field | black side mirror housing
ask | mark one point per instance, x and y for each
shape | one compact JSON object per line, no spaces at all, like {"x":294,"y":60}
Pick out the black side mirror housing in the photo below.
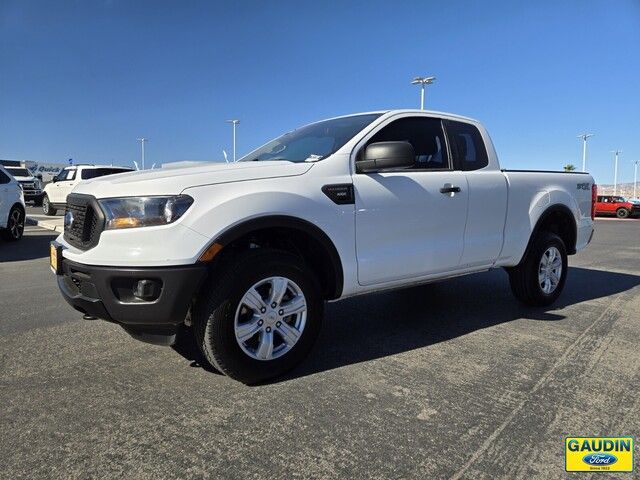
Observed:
{"x":385,"y":155}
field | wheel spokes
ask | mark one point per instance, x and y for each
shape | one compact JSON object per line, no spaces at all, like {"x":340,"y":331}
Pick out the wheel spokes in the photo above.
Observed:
{"x":265,"y":349}
{"x":278,"y":290}
{"x":289,"y":334}
{"x":254,"y":301}
{"x":246,"y":331}
{"x":293,"y":306}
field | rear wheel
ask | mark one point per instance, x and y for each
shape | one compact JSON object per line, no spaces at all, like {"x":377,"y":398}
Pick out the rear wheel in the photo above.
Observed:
{"x":15,"y":225}
{"x":47,"y":208}
{"x":259,"y":316}
{"x":540,"y":277}
{"x":622,"y":213}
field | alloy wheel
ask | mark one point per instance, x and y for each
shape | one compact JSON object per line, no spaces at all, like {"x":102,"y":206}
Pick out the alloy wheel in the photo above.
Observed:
{"x":550,"y":270}
{"x":270,"y":318}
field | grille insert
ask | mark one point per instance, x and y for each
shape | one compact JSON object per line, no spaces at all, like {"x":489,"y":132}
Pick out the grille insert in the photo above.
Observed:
{"x":83,"y":222}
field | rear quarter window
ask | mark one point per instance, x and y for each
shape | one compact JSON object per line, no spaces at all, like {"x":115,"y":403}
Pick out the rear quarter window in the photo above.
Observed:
{"x":467,"y":146}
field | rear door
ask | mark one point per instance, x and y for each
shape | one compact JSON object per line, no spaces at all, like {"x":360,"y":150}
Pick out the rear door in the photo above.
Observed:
{"x":487,"y":187}
{"x":406,"y":227}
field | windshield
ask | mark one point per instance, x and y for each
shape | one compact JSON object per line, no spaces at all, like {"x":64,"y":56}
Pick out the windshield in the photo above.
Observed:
{"x":313,"y":142}
{"x":19,"y":172}
{"x":619,"y":199}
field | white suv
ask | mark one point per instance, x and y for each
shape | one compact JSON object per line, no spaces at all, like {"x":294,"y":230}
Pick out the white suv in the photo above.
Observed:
{"x":11,"y":207}
{"x":55,"y":193}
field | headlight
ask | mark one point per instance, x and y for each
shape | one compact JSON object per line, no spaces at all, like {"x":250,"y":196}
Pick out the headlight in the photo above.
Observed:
{"x":131,"y":212}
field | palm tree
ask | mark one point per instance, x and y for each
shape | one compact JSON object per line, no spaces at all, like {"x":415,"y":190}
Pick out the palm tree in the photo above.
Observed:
{"x":569,"y":167}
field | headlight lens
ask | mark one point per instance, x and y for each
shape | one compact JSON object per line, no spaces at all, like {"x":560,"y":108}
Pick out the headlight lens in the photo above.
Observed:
{"x":132,"y":212}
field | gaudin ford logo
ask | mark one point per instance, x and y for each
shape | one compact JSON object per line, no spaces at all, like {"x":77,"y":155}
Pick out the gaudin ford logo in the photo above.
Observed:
{"x":68,"y":220}
{"x":584,"y":186}
{"x":599,"y":454}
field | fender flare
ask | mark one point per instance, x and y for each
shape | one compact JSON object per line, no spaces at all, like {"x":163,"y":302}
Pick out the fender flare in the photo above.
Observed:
{"x":553,"y":209}
{"x":284,"y":221}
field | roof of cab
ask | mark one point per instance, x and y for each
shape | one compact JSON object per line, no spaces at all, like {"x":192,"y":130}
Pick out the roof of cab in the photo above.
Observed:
{"x":409,"y":110}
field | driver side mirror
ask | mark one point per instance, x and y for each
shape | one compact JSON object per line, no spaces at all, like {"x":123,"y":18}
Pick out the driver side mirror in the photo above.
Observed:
{"x":385,"y":155}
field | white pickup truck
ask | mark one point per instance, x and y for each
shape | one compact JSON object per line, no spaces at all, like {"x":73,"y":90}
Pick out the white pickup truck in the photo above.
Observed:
{"x":245,"y":254}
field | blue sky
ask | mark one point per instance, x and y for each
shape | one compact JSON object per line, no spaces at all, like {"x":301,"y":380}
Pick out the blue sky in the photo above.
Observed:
{"x":83,"y":79}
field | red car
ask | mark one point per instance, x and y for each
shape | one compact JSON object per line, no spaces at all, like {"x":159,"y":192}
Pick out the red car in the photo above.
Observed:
{"x":616,"y":205}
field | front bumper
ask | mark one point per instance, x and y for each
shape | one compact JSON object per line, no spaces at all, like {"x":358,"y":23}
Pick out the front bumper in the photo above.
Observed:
{"x":33,"y":194}
{"x":108,"y":293}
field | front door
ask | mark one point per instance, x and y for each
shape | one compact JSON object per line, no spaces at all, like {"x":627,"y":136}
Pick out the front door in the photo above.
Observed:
{"x":410,"y":223}
{"x":62,"y":186}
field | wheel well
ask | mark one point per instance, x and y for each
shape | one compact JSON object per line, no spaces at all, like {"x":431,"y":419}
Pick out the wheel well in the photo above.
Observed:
{"x":559,"y":220}
{"x":295,"y":236}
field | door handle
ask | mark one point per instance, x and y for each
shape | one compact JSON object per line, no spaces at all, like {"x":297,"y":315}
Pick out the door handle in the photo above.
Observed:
{"x":449,"y":189}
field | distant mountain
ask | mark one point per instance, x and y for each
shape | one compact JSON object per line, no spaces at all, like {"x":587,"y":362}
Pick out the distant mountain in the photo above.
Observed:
{"x":624,"y":189}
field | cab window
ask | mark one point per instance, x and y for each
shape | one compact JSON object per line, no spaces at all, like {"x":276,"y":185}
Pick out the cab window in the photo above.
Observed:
{"x":424,"y":134}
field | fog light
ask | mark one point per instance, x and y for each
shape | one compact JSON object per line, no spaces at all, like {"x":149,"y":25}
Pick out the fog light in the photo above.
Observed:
{"x":146,"y":290}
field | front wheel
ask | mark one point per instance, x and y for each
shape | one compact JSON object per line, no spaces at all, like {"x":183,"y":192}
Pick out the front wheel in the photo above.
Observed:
{"x":622,"y":213}
{"x":539,"y":279}
{"x":15,"y":225}
{"x":46,"y":206}
{"x":259,"y":316}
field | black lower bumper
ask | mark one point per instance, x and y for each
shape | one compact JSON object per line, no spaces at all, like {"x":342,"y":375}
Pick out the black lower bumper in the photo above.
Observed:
{"x":33,"y":196}
{"x":109,"y":293}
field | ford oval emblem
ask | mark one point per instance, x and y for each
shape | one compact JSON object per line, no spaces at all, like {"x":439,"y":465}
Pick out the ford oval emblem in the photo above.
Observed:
{"x":599,"y":459}
{"x":68,"y":220}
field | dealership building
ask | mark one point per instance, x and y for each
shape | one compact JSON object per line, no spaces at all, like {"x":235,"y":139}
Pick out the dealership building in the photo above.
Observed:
{"x":46,"y":169}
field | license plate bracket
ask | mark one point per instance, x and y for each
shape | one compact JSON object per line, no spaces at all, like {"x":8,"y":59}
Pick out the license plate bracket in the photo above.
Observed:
{"x":55,"y":258}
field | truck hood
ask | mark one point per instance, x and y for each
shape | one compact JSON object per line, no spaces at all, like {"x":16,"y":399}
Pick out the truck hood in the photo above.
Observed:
{"x":172,"y":181}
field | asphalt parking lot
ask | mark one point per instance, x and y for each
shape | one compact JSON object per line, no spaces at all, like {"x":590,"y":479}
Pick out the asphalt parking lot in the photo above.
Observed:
{"x":450,"y":380}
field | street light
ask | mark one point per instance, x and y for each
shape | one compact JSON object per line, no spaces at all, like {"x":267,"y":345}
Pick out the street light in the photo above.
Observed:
{"x":615,"y":171}
{"x":234,"y":123}
{"x":422,"y":81}
{"x":584,"y":137}
{"x":635,"y":179}
{"x":142,"y":142}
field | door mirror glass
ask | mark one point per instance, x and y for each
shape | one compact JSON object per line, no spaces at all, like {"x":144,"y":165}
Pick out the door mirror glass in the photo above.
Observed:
{"x":386,"y":155}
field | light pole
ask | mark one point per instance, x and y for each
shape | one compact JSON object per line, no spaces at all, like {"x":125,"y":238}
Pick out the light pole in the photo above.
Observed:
{"x":635,"y":179}
{"x":584,"y":137}
{"x":142,"y":141}
{"x":422,"y":81}
{"x":234,"y":123}
{"x":615,"y":171}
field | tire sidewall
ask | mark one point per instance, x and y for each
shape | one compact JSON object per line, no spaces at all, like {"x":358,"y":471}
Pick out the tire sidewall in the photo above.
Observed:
{"x":46,"y":205}
{"x":544,"y":242}
{"x":218,"y":341}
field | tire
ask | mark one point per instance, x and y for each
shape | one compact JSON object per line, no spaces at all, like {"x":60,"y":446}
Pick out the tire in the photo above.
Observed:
{"x":622,"y":213}
{"x":15,"y":225}
{"x":220,"y":313}
{"x":46,"y":206}
{"x":525,"y":279}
